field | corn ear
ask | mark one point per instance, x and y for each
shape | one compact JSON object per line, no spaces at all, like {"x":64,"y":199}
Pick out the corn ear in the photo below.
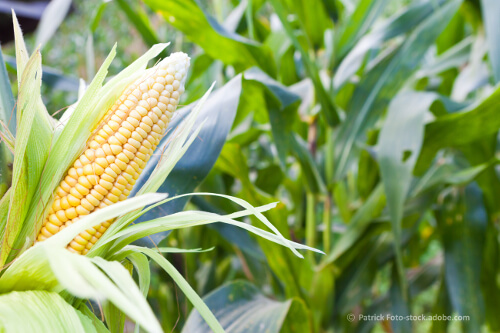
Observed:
{"x":117,"y":151}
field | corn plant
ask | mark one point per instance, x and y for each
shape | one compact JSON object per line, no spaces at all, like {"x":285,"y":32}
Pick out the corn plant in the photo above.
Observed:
{"x":66,"y":219}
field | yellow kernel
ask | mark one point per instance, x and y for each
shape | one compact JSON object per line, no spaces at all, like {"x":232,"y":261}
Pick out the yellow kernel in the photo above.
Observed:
{"x":54,"y":220}
{"x":88,"y":170}
{"x":113,"y":198}
{"x":129,"y":154}
{"x":99,"y":139}
{"x":89,"y":153}
{"x":141,"y":110}
{"x":113,"y":125}
{"x":146,"y":120}
{"x":157,"y":129}
{"x":170,"y":79}
{"x":128,"y":147}
{"x":75,"y":193}
{"x":128,"y":126}
{"x":99,"y":188}
{"x":121,"y":180}
{"x":101,"y":161}
{"x":107,"y":177}
{"x":61,"y":216}
{"x":124,"y":132}
{"x":117,"y":117}
{"x":102,"y":133}
{"x":114,"y":141}
{"x":65,"y":186}
{"x":82,"y":211}
{"x":133,"y":121}
{"x":46,"y":232}
{"x":110,"y":159}
{"x":153,"y":100}
{"x":84,"y":181}
{"x":122,"y":157}
{"x":107,"y":185}
{"x":80,"y":240}
{"x":72,"y":173}
{"x":93,"y":200}
{"x":75,"y":246}
{"x":73,"y":201}
{"x":64,"y":203}
{"x":119,"y":186}
{"x":128,"y":103}
{"x":110,"y":172}
{"x":134,"y":142}
{"x":144,"y":150}
{"x":115,"y":167}
{"x":128,"y":177}
{"x":86,"y":235}
{"x":130,"y":170}
{"x":141,"y":132}
{"x":142,"y":156}
{"x":107,"y":202}
{"x":71,"y":213}
{"x":87,"y":205}
{"x":96,"y":195}
{"x":121,"y":137}
{"x":115,"y":191}
{"x":145,"y":127}
{"x":56,"y":205}
{"x":93,"y":145}
{"x":53,"y":229}
{"x":106,"y":148}
{"x":134,"y":165}
{"x":116,"y":149}
{"x":135,"y":115}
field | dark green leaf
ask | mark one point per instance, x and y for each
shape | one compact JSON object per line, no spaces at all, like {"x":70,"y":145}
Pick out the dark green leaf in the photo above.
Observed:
{"x":218,"y":113}
{"x":240,"y":307}
{"x":384,"y":81}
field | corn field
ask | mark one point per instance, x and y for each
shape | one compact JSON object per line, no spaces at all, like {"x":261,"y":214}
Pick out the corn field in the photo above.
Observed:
{"x":249,"y":166}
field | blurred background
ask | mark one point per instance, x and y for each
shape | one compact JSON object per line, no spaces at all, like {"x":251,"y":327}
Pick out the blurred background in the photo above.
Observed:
{"x":374,"y":123}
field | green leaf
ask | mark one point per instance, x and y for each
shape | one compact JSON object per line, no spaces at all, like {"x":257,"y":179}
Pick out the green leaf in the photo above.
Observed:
{"x":361,"y":20}
{"x":459,"y":128}
{"x":398,"y":148}
{"x":327,"y":106}
{"x":240,"y":307}
{"x":462,"y":223}
{"x":399,"y":24}
{"x":138,"y":17}
{"x":52,"y":17}
{"x":7,"y":117}
{"x":491,"y":11}
{"x":370,"y":210}
{"x":184,"y":285}
{"x":40,"y":311}
{"x":384,"y":81}
{"x":27,"y":108}
{"x":216,"y":41}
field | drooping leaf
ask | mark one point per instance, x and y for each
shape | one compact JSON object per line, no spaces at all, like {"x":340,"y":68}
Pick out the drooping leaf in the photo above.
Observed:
{"x":219,"y":43}
{"x":240,"y":307}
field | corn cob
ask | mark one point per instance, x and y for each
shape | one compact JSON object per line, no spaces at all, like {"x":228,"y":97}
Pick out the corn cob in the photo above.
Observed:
{"x":117,"y":151}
